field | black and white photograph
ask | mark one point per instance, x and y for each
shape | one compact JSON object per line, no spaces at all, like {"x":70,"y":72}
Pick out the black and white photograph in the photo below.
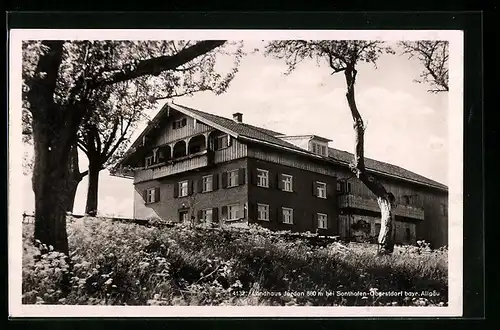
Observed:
{"x":235,"y":173}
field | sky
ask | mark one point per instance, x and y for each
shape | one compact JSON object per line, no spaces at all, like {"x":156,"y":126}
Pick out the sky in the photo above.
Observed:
{"x":406,"y":125}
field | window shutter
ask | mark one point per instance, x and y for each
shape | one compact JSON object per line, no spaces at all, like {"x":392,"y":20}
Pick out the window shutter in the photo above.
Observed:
{"x":273,"y":216}
{"x":224,"y":212}
{"x":200,"y":215}
{"x":200,"y":184}
{"x":293,"y":184}
{"x":176,"y":189}
{"x":229,"y":140}
{"x":241,"y":176}
{"x":280,"y":216}
{"x":241,"y":212}
{"x":215,"y":214}
{"x":145,"y":195}
{"x":315,"y":221}
{"x":279,"y":177}
{"x":184,"y":121}
{"x":157,"y":194}
{"x":224,"y":179}
{"x":190,"y":187}
{"x":315,"y":188}
{"x":215,"y":181}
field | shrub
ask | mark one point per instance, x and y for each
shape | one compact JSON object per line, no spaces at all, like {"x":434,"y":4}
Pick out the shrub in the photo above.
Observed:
{"x":120,"y":263}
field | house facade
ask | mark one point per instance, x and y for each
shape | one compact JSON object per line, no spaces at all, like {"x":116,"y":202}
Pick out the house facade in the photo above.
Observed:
{"x":189,"y":165}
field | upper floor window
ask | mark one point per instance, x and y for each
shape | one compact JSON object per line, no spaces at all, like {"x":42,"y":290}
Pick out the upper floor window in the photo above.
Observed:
{"x":343,"y":187}
{"x":183,"y":188}
{"x":320,"y":189}
{"x":179,"y":123}
{"x":263,"y":212}
{"x":207,"y":183}
{"x":287,"y":182}
{"x":262,"y":178}
{"x":232,"y":178}
{"x":152,"y":195}
{"x":287,"y":215}
{"x":221,"y":142}
{"x":322,"y":221}
{"x":406,"y":199}
{"x":148,"y":161}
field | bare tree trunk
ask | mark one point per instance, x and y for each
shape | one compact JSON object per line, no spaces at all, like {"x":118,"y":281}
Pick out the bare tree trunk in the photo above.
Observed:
{"x":385,"y":199}
{"x":93,"y":187}
{"x":74,"y":178}
{"x":50,"y":187}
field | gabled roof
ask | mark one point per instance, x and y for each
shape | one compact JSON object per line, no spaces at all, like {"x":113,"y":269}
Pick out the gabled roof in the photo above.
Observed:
{"x":271,"y":138}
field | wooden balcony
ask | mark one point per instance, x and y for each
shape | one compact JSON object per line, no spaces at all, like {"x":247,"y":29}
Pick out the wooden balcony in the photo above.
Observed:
{"x":174,"y":166}
{"x":370,"y":204}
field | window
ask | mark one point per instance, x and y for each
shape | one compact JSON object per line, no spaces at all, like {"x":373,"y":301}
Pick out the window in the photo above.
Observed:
{"x":320,"y":189}
{"x":206,"y":215}
{"x":406,"y":199}
{"x":319,"y":149}
{"x":262,"y":178}
{"x":221,"y":142}
{"x":233,"y":212}
{"x":322,"y":221}
{"x":183,"y":215}
{"x":232,"y":178}
{"x":151,"y":195}
{"x":377,"y":229}
{"x":207,"y":183}
{"x":345,"y":187}
{"x":287,"y":182}
{"x":183,"y":188}
{"x":179,"y":123}
{"x":263,"y":212}
{"x":149,"y":161}
{"x":287,"y":215}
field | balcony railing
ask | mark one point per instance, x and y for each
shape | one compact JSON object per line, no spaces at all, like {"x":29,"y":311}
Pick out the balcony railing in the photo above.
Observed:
{"x":174,"y":166}
{"x":370,"y":204}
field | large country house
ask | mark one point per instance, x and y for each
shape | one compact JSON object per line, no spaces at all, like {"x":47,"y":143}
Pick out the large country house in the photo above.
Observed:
{"x":189,"y":165}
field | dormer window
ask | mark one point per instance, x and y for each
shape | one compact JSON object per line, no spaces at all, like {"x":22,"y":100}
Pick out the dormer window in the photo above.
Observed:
{"x":319,"y":148}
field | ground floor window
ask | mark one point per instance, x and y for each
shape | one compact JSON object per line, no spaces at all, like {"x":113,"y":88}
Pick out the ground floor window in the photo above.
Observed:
{"x":233,"y":211}
{"x":206,"y":215}
{"x":263,"y":212}
{"x":322,"y":221}
{"x":183,"y":215}
{"x":287,"y":215}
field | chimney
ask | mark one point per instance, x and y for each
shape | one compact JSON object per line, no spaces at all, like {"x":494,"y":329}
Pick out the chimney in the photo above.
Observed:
{"x":238,"y":117}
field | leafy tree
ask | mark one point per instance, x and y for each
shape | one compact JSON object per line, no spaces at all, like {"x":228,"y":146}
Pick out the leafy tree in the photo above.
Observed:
{"x":344,"y":56}
{"x":65,"y":82}
{"x":433,"y":55}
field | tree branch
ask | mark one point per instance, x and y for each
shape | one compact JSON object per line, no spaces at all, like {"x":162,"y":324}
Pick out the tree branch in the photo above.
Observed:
{"x":155,"y":66}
